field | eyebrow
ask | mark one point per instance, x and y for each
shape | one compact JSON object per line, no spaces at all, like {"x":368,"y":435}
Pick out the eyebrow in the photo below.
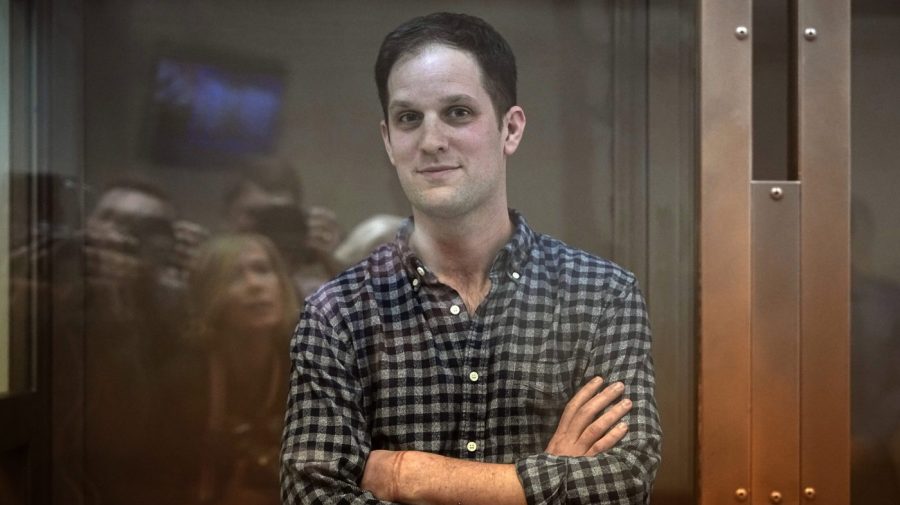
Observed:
{"x":448,"y":100}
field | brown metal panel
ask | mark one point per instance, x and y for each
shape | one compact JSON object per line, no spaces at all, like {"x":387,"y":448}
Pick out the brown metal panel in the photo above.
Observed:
{"x":725,"y":115}
{"x":775,"y":354}
{"x":824,"y":167}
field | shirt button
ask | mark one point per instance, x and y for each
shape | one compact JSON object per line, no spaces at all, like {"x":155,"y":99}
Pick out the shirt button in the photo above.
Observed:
{"x":515,"y":275}
{"x":473,"y":376}
{"x":415,"y":283}
{"x":421,"y":271}
{"x":454,"y":309}
{"x":471,"y":447}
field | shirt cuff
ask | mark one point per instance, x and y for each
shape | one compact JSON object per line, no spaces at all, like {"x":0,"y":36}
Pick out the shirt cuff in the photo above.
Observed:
{"x":543,"y":477}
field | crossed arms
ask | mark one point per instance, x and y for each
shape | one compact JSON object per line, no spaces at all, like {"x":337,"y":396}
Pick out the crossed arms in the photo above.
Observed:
{"x":414,"y":477}
{"x":330,"y":455}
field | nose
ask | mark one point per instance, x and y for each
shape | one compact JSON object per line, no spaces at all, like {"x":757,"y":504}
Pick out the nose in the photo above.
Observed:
{"x":434,"y":136}
{"x":253,"y":281}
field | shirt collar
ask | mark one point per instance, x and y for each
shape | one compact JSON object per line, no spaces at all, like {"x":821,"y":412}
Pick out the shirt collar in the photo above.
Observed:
{"x":509,"y":259}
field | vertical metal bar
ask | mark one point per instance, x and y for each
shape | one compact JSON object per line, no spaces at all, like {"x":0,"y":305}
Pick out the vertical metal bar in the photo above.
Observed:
{"x":823,"y":88}
{"x":5,"y":172}
{"x":775,"y":354}
{"x":725,"y":164}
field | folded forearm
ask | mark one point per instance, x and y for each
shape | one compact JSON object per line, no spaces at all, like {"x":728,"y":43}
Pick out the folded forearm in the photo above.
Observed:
{"x":424,"y":478}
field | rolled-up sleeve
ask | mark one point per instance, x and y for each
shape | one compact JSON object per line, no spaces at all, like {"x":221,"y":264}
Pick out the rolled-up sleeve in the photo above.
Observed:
{"x":625,"y":473}
{"x":325,"y":442}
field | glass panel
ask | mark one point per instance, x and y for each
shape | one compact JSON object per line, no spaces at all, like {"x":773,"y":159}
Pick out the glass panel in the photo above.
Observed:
{"x":5,"y":357}
{"x":876,"y":264}
{"x":774,"y":90}
{"x":20,"y":240}
{"x":181,"y":404}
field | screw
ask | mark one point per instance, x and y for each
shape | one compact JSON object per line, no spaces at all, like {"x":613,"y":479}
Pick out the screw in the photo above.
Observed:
{"x":809,"y":493}
{"x":741,"y":32}
{"x":776,"y":193}
{"x":775,"y":497}
{"x":740,"y":494}
{"x":810,"y":34}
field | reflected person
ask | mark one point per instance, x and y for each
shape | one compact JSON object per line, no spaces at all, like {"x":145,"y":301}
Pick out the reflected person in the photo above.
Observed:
{"x":243,"y":308}
{"x":132,"y":325}
{"x":875,"y":406}
{"x":472,"y":360}
{"x":267,"y":199}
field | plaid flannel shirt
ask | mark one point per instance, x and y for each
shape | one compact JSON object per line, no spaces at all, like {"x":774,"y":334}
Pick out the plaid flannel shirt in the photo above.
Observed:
{"x":387,"y":357}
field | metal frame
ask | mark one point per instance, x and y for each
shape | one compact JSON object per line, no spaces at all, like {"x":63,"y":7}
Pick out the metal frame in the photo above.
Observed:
{"x":774,"y":271}
{"x":823,"y":90}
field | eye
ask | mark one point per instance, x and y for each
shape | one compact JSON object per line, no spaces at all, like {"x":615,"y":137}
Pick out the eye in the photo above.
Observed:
{"x":261,"y":267}
{"x":405,"y":118}
{"x":459,"y":112}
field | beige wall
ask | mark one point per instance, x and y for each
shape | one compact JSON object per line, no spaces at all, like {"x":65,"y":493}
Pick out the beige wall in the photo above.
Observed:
{"x":331,"y":112}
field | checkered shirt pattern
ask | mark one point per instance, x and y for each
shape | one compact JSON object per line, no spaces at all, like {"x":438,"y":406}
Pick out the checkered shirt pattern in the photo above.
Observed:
{"x":387,"y":357}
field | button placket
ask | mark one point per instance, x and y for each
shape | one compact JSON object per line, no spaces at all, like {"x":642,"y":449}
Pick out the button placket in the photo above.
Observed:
{"x":473,"y":427}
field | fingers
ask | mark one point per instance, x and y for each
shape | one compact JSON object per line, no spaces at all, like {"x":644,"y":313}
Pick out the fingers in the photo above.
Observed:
{"x":583,"y":395}
{"x":598,"y":435}
{"x":608,"y":440}
{"x":324,"y":232}
{"x":589,"y":411}
{"x":189,"y":236}
{"x":586,"y":422}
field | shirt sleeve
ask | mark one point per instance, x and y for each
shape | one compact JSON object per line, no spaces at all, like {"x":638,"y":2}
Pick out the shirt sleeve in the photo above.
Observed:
{"x":325,"y":442}
{"x":625,"y":473}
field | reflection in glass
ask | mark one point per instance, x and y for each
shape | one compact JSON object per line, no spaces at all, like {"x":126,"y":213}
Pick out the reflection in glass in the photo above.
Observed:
{"x":244,"y":307}
{"x":178,"y":383}
{"x":875,"y":344}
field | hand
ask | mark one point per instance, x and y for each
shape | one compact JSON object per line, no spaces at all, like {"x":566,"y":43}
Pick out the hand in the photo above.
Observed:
{"x":189,"y":236}
{"x":324,"y":232}
{"x":111,"y":256}
{"x":381,"y":474}
{"x":580,"y":431}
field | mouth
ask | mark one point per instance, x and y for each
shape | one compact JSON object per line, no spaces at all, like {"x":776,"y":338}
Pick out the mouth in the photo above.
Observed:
{"x":438,"y":169}
{"x":260,"y":305}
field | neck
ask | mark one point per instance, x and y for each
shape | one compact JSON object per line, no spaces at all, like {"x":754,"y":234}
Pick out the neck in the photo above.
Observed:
{"x":250,"y":352}
{"x":460,"y":252}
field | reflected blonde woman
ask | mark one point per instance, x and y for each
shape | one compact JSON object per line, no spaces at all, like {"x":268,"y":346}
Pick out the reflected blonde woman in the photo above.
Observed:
{"x":244,"y":309}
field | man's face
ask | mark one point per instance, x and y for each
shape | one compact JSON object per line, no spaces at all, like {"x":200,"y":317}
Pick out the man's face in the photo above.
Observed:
{"x":132,"y":213}
{"x":250,"y":200}
{"x":136,"y":221}
{"x":443,"y":137}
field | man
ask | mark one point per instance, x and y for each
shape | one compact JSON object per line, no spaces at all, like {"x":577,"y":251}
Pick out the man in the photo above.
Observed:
{"x":267,"y":199}
{"x":132,"y":320}
{"x":462,"y":363}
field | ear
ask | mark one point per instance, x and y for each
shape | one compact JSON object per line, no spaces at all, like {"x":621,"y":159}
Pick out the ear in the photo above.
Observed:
{"x":514,"y":128}
{"x":386,"y":137}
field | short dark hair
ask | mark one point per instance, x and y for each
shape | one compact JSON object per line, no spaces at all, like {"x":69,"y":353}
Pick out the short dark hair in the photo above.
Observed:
{"x":459,"y":31}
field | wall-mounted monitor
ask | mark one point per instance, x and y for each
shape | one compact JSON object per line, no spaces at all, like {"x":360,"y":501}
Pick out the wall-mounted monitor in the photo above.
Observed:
{"x":209,"y":112}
